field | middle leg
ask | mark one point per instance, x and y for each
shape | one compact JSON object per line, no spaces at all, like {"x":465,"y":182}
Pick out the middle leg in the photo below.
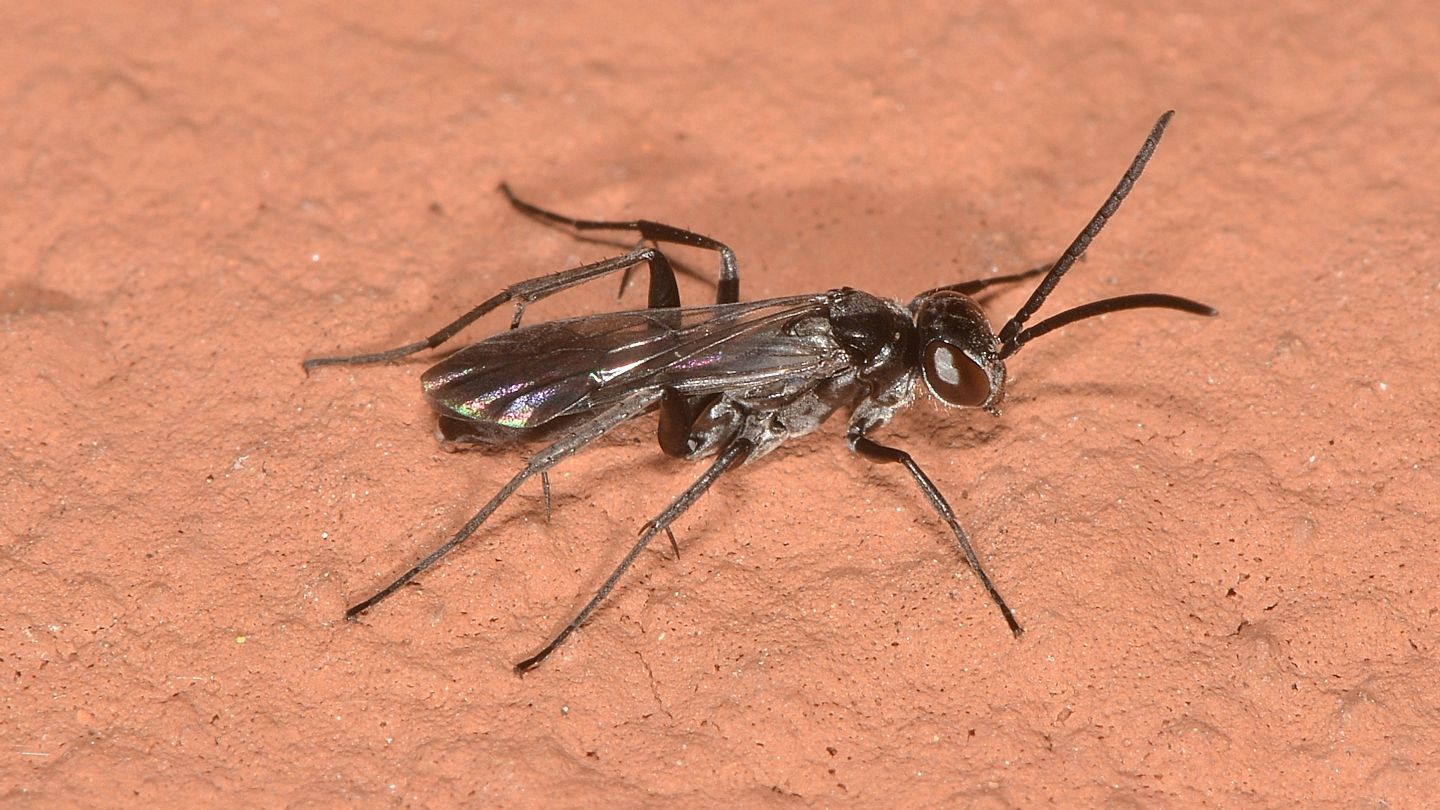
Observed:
{"x":732,"y":455}
{"x":727,"y":290}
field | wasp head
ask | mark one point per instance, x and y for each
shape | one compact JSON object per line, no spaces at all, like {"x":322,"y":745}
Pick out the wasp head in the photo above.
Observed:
{"x":959,"y":353}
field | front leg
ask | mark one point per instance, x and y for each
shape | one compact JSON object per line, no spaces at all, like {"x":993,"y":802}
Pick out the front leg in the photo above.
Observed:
{"x":875,"y":451}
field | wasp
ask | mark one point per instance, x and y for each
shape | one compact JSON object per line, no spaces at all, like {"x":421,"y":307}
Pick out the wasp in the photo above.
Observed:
{"x":731,"y":381}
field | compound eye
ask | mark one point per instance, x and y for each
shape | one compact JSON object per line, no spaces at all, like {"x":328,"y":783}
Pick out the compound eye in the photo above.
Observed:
{"x":954,"y":377}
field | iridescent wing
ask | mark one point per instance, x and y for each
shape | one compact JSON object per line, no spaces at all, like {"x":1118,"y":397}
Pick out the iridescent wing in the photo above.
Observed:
{"x":526,"y":377}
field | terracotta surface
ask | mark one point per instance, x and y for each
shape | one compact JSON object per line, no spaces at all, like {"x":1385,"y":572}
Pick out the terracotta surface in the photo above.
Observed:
{"x":1219,"y":533}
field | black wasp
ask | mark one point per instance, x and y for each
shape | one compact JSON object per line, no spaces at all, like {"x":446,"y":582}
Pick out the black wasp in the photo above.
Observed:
{"x":734,"y":380}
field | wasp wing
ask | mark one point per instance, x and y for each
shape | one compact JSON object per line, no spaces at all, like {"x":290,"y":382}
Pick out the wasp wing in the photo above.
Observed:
{"x":526,"y":377}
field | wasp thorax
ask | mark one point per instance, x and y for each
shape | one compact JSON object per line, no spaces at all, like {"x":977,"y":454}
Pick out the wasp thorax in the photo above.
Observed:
{"x":959,"y":353}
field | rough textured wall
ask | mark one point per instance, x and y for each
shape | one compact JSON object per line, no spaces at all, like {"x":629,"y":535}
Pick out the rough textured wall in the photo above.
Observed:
{"x":1219,"y":533}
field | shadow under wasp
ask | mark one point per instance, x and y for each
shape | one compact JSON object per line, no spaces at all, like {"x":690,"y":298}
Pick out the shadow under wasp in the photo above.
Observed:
{"x":732,"y":380}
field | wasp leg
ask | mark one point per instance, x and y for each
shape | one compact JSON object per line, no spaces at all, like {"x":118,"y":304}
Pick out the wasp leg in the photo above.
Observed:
{"x":729,"y":457}
{"x":727,"y":291}
{"x":627,"y":409}
{"x":678,"y":415}
{"x":663,"y":294}
{"x":880,"y":453}
{"x":976,"y":285}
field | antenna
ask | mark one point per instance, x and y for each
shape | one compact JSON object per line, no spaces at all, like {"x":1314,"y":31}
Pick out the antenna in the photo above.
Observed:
{"x":1010,"y":336}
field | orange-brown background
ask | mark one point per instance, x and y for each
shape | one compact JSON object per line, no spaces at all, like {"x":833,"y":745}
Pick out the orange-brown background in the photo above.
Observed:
{"x":1221,"y":534}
